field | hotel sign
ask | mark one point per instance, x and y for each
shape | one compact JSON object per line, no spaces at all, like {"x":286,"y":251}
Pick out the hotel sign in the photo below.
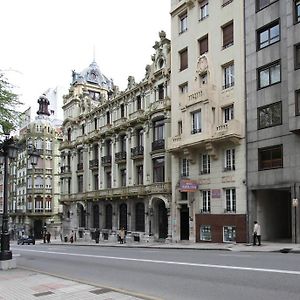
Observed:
{"x":187,"y":185}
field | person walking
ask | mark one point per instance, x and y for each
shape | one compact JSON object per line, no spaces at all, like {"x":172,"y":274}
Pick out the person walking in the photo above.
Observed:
{"x":256,"y":234}
{"x":97,"y":235}
{"x":48,"y":236}
{"x":72,"y":237}
{"x":122,"y":235}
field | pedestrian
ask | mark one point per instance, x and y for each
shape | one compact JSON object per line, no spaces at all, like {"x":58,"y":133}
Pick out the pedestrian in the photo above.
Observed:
{"x":122,"y":235}
{"x":256,"y":234}
{"x":72,"y":237}
{"x":48,"y":236}
{"x":97,"y":235}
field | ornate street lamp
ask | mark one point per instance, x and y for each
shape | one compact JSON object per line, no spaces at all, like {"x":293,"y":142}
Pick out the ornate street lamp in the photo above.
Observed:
{"x":8,"y":150}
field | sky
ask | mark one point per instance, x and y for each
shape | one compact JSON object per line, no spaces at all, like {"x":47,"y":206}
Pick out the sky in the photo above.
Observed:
{"x":42,"y":41}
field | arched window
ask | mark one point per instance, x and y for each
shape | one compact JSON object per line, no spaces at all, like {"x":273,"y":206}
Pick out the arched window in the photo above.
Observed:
{"x":108,"y":216}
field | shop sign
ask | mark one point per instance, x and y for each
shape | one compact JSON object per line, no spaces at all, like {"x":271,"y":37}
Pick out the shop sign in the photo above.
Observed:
{"x":187,"y":185}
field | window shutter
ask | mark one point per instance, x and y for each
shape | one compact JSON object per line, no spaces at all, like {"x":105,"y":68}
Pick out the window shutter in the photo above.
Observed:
{"x":227,"y":34}
{"x":203,"y":45}
{"x":183,"y":59}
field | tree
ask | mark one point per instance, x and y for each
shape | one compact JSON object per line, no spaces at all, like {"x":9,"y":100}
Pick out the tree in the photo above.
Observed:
{"x":9,"y":117}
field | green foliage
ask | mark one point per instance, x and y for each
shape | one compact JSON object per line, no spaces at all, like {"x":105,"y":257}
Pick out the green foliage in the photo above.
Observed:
{"x":9,"y":117}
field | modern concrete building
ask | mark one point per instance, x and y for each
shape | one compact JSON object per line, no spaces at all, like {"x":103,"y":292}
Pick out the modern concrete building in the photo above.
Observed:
{"x":273,"y":116}
{"x":115,"y":171}
{"x":208,"y":121}
{"x":35,"y":188}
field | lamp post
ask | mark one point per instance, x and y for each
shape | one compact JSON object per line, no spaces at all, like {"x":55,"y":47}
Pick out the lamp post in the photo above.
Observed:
{"x":8,"y":150}
{"x":33,"y":155}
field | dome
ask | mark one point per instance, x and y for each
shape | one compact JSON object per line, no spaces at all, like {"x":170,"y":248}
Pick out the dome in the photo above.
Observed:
{"x":93,"y":75}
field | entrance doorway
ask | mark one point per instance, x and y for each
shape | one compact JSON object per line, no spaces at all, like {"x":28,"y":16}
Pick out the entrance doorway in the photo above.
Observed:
{"x":123,"y":216}
{"x":162,"y":220}
{"x":184,"y":223}
{"x":38,"y":229}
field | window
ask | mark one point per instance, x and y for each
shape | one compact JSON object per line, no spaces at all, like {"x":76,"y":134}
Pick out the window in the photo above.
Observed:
{"x":158,"y":130}
{"x":107,"y":117}
{"x":297,"y":56}
{"x":122,"y":143}
{"x":196,"y":121}
{"x":269,"y":115}
{"x":270,"y":158}
{"x":82,"y":129}
{"x":159,"y":169}
{"x":227,"y":35}
{"x":205,"y":164}
{"x":205,"y":233}
{"x":260,"y":4}
{"x":123,"y":177}
{"x":161,"y":92}
{"x":140,"y":217}
{"x":69,"y":135}
{"x":183,"y":23}
{"x":139,"y":173}
{"x":203,"y":45}
{"x":297,"y":102}
{"x":179,"y":127}
{"x":297,"y":11}
{"x":228,"y":76}
{"x":108,"y":180}
{"x":268,"y":75}
{"x":185,"y":167}
{"x":183,"y":88}
{"x":229,"y":234}
{"x":94,"y":95}
{"x":95,"y":123}
{"x":80,"y":183}
{"x":205,"y":201}
{"x":229,"y":160}
{"x":183,"y":59}
{"x":122,"y":108}
{"x":183,"y":196}
{"x":226,"y":2}
{"x":96,"y":184}
{"x":203,"y":9}
{"x":140,"y":137}
{"x":138,"y":102}
{"x":228,"y":113}
{"x":230,"y":198}
{"x":268,"y":35}
{"x":203,"y":79}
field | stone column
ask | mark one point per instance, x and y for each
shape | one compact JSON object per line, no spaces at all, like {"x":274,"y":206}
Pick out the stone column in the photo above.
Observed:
{"x":114,"y":173}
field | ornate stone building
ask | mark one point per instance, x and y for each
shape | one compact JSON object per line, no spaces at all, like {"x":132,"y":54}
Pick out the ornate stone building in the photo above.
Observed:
{"x":115,"y":171}
{"x":35,"y":188}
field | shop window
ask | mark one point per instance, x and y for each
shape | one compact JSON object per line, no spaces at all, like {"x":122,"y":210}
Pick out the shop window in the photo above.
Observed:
{"x":229,"y":234}
{"x":205,"y":233}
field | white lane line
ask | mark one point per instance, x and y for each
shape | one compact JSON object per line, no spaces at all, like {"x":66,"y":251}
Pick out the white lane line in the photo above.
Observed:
{"x":168,"y":262}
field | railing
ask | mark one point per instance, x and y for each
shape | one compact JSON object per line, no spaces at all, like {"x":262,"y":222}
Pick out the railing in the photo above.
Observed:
{"x":106,"y":160}
{"x":137,"y":151}
{"x":158,"y":145}
{"x":94,"y":164}
{"x":120,"y":156}
{"x":65,"y":169}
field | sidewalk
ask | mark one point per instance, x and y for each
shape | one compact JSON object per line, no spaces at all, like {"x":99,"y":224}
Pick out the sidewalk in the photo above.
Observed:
{"x":240,"y":247}
{"x":16,"y":284}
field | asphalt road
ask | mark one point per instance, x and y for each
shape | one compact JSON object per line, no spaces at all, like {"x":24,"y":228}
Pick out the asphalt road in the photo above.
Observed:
{"x":172,"y":274}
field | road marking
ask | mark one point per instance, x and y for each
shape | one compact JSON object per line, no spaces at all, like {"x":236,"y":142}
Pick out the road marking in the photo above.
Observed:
{"x":291,"y":272}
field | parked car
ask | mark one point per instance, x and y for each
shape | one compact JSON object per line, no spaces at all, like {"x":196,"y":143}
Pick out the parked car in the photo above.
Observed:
{"x":26,"y":240}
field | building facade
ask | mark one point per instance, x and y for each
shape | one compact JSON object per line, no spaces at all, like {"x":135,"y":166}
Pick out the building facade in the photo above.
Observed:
{"x":35,"y":187}
{"x":115,"y":171}
{"x":208,"y":121}
{"x":273,"y":116}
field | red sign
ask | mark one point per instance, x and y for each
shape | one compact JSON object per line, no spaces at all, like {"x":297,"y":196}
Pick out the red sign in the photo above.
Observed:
{"x":216,"y":193}
{"x":187,"y":185}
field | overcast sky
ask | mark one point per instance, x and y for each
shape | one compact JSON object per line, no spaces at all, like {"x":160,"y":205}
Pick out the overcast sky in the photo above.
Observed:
{"x":42,"y":41}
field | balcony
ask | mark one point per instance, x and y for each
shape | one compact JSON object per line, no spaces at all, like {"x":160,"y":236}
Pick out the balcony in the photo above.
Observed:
{"x":120,"y":157}
{"x":160,"y":104}
{"x":120,"y":122}
{"x":136,"y":115}
{"x":94,"y":164}
{"x":232,"y":130}
{"x":65,"y":169}
{"x":158,"y":145}
{"x":137,"y":152}
{"x":159,"y":187}
{"x":106,"y":160}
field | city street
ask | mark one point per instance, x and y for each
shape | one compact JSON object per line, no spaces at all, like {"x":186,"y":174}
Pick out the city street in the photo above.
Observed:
{"x":171,"y":273}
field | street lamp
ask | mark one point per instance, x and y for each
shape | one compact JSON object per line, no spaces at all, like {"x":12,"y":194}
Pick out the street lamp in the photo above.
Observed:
{"x":34,"y":156}
{"x":8,"y":150}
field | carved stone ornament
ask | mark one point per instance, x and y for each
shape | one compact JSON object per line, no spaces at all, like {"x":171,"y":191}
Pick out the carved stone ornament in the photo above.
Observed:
{"x":202,"y":64}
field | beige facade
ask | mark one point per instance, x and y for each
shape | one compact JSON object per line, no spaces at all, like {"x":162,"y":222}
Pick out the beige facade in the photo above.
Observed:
{"x":208,"y":130}
{"x":115,"y":171}
{"x":35,"y":189}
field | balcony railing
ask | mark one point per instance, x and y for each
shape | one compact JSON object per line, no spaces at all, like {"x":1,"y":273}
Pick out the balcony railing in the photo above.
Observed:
{"x":137,"y":151}
{"x":106,"y":160}
{"x":94,"y":164}
{"x":158,"y":145}
{"x":120,"y":156}
{"x":65,"y":169}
